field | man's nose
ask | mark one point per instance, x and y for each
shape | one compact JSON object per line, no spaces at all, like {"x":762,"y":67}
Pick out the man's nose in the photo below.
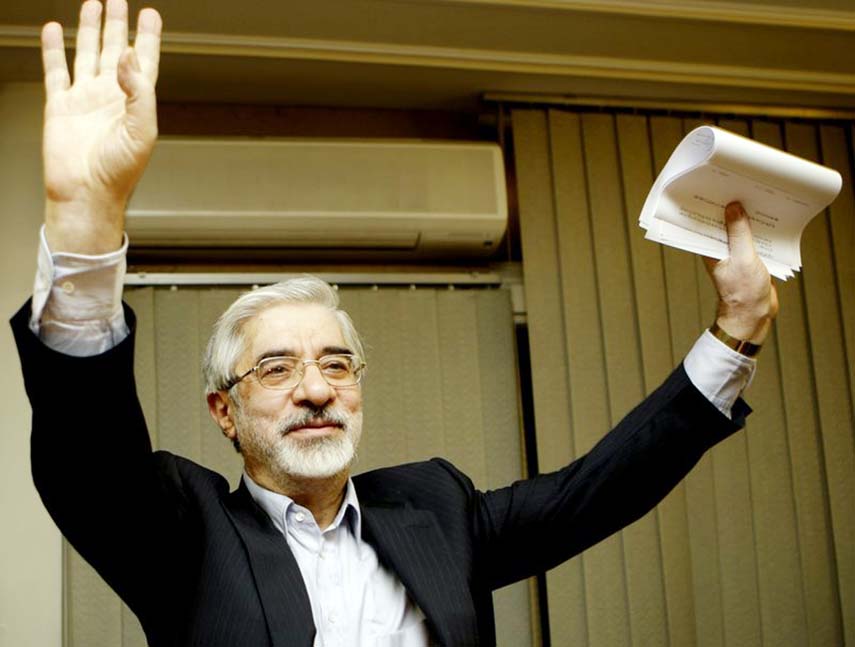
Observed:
{"x":313,"y":387}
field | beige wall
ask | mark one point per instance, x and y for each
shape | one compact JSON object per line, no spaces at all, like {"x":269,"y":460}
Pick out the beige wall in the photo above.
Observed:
{"x":30,"y":554}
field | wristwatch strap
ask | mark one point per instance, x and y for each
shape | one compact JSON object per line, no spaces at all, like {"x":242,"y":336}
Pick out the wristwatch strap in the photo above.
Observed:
{"x":739,"y":345}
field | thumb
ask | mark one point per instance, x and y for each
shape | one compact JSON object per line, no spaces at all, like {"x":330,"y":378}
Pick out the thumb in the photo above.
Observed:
{"x":709,"y":264}
{"x":739,"y":238}
{"x":140,"y":102}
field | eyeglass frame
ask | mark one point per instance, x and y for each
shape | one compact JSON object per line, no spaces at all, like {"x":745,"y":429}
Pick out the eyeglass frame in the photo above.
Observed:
{"x":359,"y":370}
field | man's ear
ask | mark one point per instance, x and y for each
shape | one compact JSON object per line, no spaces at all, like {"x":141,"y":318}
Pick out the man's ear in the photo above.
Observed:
{"x":220,"y":407}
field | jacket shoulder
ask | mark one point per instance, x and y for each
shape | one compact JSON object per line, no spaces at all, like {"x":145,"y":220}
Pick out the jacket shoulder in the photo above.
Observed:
{"x":423,"y":484}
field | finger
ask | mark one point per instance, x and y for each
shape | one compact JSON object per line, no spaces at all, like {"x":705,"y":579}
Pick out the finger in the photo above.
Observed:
{"x":140,"y":104}
{"x":115,"y":34}
{"x":88,"y":35}
{"x":147,"y":42}
{"x":128,"y":67}
{"x":53,"y":59}
{"x":739,"y":238}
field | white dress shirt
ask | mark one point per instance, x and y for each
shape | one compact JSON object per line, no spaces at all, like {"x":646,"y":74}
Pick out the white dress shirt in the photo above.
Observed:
{"x":355,"y":600}
{"x":76,"y":309}
{"x":77,"y":300}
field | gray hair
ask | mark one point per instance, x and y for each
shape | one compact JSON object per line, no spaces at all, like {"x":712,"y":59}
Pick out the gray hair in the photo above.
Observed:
{"x":227,"y":341}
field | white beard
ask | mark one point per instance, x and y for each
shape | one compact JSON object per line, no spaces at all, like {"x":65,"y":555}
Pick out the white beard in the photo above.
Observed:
{"x":288,"y":457}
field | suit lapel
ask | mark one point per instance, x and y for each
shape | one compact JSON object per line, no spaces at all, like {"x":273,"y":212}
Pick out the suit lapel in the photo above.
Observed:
{"x":276,"y":573}
{"x":410,"y":543}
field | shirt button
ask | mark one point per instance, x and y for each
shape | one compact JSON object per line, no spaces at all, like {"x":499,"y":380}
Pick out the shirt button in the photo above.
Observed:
{"x":333,"y":618}
{"x":300,"y":517}
{"x":68,"y":287}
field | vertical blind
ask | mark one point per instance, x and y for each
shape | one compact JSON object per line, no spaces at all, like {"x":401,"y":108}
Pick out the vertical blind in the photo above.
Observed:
{"x":757,"y":546}
{"x":441,"y":381}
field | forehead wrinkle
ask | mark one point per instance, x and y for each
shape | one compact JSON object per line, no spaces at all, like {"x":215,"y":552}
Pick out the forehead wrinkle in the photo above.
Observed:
{"x":300,"y":327}
{"x":287,"y":352}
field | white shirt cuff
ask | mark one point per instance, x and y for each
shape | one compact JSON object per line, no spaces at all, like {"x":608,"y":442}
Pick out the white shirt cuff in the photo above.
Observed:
{"x":77,"y":300}
{"x":718,"y":372}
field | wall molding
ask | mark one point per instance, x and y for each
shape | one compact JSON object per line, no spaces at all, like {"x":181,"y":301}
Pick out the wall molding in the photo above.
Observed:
{"x":726,"y":12}
{"x":670,"y":106}
{"x":566,"y":65}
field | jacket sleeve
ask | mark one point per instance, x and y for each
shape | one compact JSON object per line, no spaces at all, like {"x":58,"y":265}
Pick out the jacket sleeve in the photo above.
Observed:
{"x":120,"y":505}
{"x":538,"y":523}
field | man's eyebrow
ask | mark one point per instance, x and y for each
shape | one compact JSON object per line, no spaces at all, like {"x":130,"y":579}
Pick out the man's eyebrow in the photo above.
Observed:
{"x":336,"y":350}
{"x":276,"y":352}
{"x":288,"y":352}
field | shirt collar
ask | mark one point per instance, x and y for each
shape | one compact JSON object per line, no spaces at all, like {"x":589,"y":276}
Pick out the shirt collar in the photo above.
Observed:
{"x":276,"y":506}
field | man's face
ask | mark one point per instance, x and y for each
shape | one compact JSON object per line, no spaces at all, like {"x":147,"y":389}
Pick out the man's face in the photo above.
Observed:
{"x":312,"y":430}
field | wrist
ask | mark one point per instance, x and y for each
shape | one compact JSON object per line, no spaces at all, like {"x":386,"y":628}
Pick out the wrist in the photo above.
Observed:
{"x":90,"y":227}
{"x":750,"y":330}
{"x":741,"y":346}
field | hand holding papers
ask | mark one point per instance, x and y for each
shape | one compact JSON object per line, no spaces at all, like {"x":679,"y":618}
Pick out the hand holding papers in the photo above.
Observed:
{"x":712,"y":167}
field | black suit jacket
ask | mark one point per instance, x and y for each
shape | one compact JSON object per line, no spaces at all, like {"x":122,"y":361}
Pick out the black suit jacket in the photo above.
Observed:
{"x":202,"y":566}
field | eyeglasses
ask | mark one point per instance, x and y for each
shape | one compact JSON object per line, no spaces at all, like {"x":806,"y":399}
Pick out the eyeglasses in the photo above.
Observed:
{"x":282,"y":373}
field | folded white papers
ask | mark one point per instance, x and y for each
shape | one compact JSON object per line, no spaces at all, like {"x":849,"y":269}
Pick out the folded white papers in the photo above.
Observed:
{"x":712,"y":167}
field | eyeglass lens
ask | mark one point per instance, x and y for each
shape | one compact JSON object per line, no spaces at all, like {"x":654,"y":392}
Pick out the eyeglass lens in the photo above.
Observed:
{"x":286,"y":372}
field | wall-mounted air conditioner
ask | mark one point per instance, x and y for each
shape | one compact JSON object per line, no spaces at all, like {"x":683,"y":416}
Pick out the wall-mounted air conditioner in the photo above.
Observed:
{"x":444,"y":199}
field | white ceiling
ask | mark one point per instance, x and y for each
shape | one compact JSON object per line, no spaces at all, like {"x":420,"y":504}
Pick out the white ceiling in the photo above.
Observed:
{"x":447,"y":53}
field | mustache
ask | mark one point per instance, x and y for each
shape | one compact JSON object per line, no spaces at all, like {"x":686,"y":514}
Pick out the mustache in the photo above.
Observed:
{"x":322,"y":416}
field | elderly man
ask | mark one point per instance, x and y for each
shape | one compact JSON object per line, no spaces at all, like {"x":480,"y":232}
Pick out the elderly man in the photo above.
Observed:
{"x":300,"y":553}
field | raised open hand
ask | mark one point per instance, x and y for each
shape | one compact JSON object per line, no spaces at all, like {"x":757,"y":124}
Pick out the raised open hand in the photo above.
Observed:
{"x":100,"y":130}
{"x":748,"y":301}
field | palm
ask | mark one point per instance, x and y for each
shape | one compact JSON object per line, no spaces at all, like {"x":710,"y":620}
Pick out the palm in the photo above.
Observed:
{"x":87,"y":146}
